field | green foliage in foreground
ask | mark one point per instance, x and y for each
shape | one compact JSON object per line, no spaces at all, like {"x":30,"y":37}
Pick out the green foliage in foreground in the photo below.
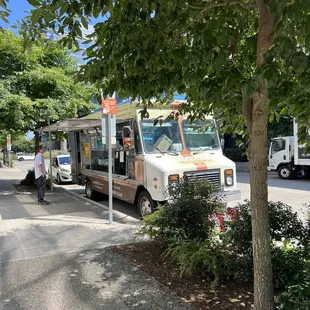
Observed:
{"x":183,"y":218}
{"x":186,"y":225}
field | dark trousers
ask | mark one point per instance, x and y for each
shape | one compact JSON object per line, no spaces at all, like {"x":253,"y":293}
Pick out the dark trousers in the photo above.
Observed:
{"x":41,"y":183}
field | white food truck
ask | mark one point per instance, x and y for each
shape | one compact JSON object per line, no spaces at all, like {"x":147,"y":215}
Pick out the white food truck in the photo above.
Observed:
{"x":147,"y":156}
{"x":288,"y":157}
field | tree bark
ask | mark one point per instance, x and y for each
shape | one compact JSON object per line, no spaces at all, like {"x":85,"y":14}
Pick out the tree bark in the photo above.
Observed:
{"x":37,"y":140}
{"x":263,"y":284}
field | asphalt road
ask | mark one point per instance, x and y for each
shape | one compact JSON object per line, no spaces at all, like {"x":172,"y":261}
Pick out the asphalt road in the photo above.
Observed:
{"x":25,"y":165}
{"x":295,"y":193}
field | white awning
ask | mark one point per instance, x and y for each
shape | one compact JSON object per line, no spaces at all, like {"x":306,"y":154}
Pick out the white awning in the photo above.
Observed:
{"x":74,"y":124}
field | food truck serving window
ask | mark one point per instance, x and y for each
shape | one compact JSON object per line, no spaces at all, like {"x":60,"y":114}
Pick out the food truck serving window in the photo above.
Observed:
{"x":200,"y":135}
{"x":163,"y":137}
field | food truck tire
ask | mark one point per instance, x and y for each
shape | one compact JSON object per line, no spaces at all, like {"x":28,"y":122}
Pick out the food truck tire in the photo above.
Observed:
{"x":145,"y":204}
{"x":89,"y":192}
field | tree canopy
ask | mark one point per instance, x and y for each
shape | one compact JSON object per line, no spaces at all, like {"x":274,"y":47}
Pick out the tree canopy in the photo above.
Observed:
{"x":35,"y":78}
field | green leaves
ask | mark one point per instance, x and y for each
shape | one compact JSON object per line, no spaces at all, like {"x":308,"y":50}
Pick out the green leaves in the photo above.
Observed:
{"x":40,"y":78}
{"x":4,"y":13}
{"x":34,"y":2}
{"x":219,"y":62}
{"x":63,"y":9}
{"x":3,"y":4}
{"x":84,"y":22}
{"x":150,"y":49}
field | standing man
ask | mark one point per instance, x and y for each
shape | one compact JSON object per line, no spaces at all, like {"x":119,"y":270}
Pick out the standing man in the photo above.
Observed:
{"x":40,"y":174}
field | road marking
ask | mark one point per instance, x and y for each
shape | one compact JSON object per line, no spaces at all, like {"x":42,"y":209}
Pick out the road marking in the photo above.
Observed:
{"x":0,"y":217}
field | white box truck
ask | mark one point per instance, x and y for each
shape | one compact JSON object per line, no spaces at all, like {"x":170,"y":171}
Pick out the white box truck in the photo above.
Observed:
{"x":288,"y":157}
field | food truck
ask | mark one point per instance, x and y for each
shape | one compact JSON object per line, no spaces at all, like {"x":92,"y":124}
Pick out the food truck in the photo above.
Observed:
{"x":148,"y":155}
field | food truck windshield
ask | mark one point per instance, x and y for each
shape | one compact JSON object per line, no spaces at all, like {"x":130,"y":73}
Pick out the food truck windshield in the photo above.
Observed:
{"x":166,"y":137}
{"x":200,"y":135}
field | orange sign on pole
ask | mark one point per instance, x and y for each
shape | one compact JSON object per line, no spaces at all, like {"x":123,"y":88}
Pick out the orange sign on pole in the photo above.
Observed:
{"x":109,"y":106}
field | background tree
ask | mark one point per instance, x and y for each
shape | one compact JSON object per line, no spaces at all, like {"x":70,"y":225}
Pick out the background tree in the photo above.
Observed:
{"x":240,"y":59}
{"x":38,"y":77}
{"x":22,"y":144}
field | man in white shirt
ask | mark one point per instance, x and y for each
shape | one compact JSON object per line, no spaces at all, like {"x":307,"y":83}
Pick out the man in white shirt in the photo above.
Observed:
{"x":40,"y":175}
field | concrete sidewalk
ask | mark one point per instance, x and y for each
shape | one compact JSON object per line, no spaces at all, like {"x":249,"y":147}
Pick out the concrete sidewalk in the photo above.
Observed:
{"x":67,"y":224}
{"x":89,"y":280}
{"x":8,"y":177}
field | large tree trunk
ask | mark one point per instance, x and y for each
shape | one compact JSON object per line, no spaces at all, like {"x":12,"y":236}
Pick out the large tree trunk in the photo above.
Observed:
{"x":256,"y":116}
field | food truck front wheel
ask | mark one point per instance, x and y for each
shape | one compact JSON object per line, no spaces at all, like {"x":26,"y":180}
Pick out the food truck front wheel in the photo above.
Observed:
{"x":146,"y":205}
{"x":90,"y":193}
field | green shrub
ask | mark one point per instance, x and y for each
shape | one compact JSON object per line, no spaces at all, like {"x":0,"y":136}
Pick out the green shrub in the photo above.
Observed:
{"x":187,"y":215}
{"x":185,"y":224}
{"x":296,"y":297}
{"x":283,"y":222}
{"x":207,"y":259}
{"x":290,"y":240}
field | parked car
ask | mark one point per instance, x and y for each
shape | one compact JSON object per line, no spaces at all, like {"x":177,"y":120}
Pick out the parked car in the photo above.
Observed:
{"x":23,"y":156}
{"x":61,"y":168}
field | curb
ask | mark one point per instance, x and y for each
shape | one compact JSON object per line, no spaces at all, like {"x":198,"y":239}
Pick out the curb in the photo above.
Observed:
{"x":117,"y":214}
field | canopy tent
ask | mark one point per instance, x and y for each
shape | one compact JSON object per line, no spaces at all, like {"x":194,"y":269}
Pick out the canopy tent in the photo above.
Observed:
{"x":73,"y":124}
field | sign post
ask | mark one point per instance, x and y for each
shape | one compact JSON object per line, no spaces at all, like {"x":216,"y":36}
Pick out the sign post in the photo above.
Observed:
{"x":109,"y":108}
{"x":9,"y":147}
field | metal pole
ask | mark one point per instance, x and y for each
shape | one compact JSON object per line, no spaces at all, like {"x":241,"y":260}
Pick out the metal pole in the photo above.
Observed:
{"x":50,"y":152}
{"x":110,"y":170}
{"x":9,"y":150}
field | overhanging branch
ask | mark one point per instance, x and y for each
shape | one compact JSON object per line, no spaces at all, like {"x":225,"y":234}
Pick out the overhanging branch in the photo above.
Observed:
{"x":210,"y":7}
{"x":222,"y":4}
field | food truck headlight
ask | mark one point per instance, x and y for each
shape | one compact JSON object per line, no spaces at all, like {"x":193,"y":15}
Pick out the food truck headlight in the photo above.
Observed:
{"x":229,"y":177}
{"x":173,"y":178}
